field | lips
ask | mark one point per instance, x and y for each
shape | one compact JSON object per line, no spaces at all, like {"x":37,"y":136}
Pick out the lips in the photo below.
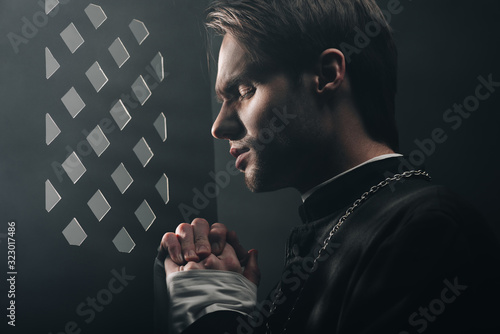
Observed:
{"x":239,"y":154}
{"x":235,"y":152}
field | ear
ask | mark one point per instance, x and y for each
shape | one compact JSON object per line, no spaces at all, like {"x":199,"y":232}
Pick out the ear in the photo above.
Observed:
{"x":330,"y":71}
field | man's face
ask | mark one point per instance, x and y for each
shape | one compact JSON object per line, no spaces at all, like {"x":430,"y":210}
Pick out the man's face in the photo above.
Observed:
{"x":264,"y":120}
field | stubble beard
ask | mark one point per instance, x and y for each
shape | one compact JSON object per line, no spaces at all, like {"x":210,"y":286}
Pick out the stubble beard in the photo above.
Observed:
{"x":269,"y":167}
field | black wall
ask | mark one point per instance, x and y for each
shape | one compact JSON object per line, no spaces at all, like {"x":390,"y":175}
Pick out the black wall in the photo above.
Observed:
{"x":53,"y":277}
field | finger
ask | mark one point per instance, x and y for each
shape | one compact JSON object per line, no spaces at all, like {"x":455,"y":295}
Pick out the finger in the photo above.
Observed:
{"x":193,"y":266}
{"x":201,"y":243}
{"x":230,"y":260}
{"x":185,"y":234}
{"x":171,"y":244}
{"x":162,"y":253}
{"x":241,"y":253}
{"x":213,"y":262}
{"x":170,"y":266}
{"x":251,"y":271}
{"x":217,"y":237}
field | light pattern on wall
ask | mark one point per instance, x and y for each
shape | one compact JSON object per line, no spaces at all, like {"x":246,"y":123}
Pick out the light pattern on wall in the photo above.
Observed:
{"x":98,"y":203}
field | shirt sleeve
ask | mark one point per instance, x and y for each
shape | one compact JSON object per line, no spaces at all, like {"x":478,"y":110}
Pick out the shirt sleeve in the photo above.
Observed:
{"x":196,"y":293}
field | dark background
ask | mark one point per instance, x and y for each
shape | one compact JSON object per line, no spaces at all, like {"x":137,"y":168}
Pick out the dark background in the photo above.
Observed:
{"x":443,"y":46}
{"x":54,"y":277}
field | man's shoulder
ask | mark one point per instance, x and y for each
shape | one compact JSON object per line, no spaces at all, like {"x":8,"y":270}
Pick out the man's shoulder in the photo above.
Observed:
{"x":420,"y":196}
{"x":416,"y":204}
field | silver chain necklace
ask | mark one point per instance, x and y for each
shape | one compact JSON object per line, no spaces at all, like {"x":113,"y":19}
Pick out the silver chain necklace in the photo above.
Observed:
{"x":334,"y":230}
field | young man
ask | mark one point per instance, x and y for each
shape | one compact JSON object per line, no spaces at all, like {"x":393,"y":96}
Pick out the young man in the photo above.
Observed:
{"x":382,"y":250}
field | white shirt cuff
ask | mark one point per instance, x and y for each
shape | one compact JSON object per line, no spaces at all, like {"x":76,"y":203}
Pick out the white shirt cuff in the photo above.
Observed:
{"x":195,"y":293}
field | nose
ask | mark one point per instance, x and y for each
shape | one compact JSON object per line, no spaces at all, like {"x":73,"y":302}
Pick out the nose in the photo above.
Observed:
{"x":227,"y":125}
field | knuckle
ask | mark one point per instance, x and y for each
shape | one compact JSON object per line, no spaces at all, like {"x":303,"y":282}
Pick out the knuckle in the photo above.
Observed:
{"x":219,"y":226}
{"x":232,"y":236}
{"x":209,"y":262}
{"x":183,"y":229}
{"x":164,"y":240}
{"x":164,"y":237}
{"x":169,"y":239}
{"x":190,"y":266}
{"x":218,"y":232}
{"x":199,"y":222}
{"x":184,"y":226}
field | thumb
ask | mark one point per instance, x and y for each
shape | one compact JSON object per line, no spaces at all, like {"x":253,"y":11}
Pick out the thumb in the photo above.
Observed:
{"x":170,"y":266}
{"x":252,"y":272}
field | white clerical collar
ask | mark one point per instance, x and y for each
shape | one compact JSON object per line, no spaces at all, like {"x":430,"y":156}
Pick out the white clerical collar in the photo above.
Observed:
{"x":380,"y":157}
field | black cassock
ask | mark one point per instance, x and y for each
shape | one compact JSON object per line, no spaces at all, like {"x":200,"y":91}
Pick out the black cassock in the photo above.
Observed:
{"x":411,"y":258}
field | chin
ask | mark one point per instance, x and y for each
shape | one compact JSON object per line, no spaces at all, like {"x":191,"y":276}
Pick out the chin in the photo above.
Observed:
{"x":258,"y":181}
{"x":255,"y":187}
{"x":251,"y":181}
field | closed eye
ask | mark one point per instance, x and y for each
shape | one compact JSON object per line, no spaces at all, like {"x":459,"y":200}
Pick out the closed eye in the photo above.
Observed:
{"x":247,"y":93}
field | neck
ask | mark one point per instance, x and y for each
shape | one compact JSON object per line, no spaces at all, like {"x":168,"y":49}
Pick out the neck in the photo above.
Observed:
{"x":328,"y":166}
{"x":344,"y":145}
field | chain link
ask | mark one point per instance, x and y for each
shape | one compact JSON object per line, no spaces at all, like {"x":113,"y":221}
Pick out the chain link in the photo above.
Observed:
{"x":349,"y":211}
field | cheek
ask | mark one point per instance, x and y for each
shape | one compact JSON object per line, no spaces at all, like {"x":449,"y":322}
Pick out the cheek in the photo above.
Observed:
{"x":266,"y":105}
{"x":255,"y":117}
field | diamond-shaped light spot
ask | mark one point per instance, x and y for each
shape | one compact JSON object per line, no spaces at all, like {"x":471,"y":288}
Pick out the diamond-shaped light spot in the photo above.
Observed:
{"x":96,"y":15}
{"x":119,"y":52}
{"x":145,"y":215}
{"x":141,"y":90}
{"x":74,"y":233}
{"x":143,"y":152}
{"x":123,"y":242}
{"x":72,"y":37}
{"x":161,"y":126}
{"x":51,"y":129}
{"x":122,"y":178}
{"x":74,"y":167}
{"x":162,"y":187}
{"x":73,"y":102}
{"x":96,"y":76}
{"x":51,"y":64}
{"x":139,"y":30}
{"x":98,"y":140}
{"x":99,"y":205}
{"x":51,"y":196}
{"x":157,"y":64}
{"x":50,"y":5}
{"x":120,"y":114}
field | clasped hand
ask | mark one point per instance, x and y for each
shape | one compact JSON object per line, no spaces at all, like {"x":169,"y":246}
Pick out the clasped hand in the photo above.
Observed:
{"x":199,"y":246}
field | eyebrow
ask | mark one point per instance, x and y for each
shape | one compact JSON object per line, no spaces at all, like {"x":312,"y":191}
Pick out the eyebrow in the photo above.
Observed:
{"x":232,"y":84}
